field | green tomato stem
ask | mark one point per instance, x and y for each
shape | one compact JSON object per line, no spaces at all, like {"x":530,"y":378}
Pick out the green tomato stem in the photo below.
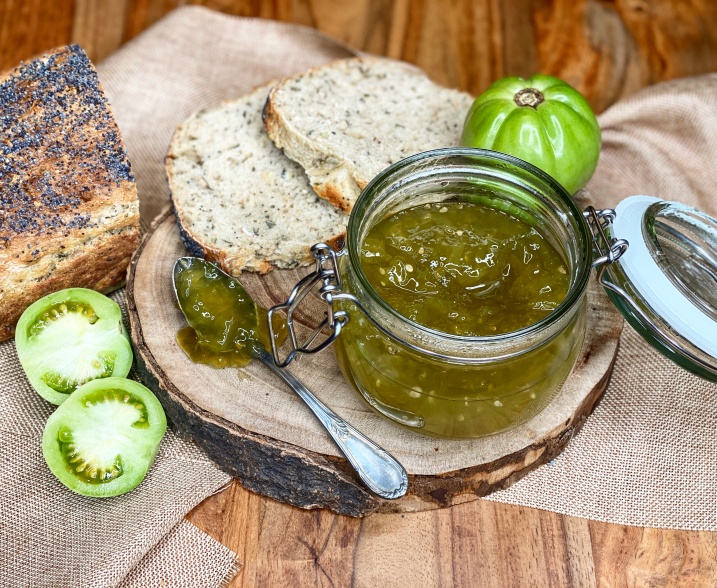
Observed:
{"x":529,"y":97}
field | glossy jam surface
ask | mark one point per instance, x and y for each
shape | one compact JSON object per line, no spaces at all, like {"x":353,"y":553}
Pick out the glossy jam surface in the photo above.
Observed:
{"x":464,"y":269}
{"x":461,"y":269}
{"x":223,"y":319}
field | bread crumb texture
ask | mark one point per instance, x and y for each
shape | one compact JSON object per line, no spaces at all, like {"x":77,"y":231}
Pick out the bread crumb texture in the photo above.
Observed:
{"x":65,"y":183}
{"x":238,"y":200}
{"x":347,"y":121}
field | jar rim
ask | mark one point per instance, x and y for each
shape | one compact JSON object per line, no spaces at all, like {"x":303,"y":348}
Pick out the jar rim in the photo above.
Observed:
{"x":574,"y":294}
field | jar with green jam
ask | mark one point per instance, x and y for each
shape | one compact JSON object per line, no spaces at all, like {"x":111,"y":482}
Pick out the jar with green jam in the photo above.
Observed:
{"x":470,"y":269}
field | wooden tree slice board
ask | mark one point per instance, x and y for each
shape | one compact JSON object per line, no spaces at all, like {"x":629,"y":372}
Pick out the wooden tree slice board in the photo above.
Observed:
{"x":255,"y":428}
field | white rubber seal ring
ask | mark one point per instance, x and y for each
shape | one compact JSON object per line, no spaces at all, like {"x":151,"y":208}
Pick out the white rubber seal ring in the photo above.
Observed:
{"x":653,"y":285}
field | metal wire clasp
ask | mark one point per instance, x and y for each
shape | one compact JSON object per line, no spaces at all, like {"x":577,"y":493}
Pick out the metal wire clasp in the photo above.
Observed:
{"x":327,"y":273}
{"x":609,"y":249}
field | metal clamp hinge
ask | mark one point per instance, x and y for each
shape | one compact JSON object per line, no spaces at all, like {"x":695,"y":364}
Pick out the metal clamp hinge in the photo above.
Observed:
{"x":326,"y":273}
{"x":609,"y":251}
{"x":608,"y":248}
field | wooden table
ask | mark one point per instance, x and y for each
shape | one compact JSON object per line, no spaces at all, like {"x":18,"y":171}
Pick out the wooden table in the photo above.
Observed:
{"x":607,"y":49}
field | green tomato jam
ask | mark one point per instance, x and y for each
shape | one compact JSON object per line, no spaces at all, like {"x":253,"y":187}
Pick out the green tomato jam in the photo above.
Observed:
{"x":237,"y":357}
{"x":469,"y":270}
{"x":464,"y":269}
{"x":223,"y":319}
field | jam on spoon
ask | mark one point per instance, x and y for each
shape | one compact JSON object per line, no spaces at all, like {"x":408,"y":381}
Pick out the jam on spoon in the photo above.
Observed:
{"x":228,"y":329}
{"x":223,"y":319}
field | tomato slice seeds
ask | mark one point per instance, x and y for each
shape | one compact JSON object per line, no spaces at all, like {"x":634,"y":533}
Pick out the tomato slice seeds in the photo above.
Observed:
{"x":69,"y":338}
{"x":102,"y":440}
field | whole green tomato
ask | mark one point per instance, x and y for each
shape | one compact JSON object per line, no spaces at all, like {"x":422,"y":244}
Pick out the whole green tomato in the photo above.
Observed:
{"x":541,"y":120}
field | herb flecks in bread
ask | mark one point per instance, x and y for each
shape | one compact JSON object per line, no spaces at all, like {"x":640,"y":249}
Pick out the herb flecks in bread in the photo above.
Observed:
{"x":69,"y":214}
{"x":238,"y":200}
{"x":347,"y":121}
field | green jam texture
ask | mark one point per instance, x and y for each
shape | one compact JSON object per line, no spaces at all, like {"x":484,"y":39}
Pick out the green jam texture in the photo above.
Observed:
{"x":223,"y":319}
{"x":464,"y":269}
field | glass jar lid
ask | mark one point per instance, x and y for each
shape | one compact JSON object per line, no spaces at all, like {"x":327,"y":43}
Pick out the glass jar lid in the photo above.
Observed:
{"x":665,"y":282}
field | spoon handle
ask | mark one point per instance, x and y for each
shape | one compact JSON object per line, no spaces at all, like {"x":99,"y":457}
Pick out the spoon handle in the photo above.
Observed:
{"x":378,"y":469}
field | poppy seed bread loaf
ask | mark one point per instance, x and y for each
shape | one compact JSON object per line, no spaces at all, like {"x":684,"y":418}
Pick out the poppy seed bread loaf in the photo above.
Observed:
{"x":238,"y":200}
{"x":69,"y":214}
{"x":346,"y":121}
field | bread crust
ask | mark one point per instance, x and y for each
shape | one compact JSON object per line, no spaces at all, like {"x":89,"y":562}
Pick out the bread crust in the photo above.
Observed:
{"x":241,"y":257}
{"x":69,"y":213}
{"x":311,"y":125}
{"x":342,"y":197}
{"x":101,"y":264}
{"x":236,"y":265}
{"x":194,"y":244}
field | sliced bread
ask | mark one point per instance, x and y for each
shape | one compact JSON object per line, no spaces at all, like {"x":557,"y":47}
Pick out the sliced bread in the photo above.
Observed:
{"x":238,"y":200}
{"x":346,"y":121}
{"x":69,"y":214}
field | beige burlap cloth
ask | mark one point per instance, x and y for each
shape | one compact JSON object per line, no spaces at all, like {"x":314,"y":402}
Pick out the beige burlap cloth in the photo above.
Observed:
{"x":50,"y":536}
{"x":646,"y":457}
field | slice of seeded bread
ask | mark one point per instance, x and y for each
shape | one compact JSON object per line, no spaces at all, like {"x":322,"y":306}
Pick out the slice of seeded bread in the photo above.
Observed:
{"x":346,"y":121}
{"x":238,"y":200}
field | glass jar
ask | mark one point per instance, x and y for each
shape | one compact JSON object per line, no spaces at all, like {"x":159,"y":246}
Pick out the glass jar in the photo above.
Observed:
{"x":449,"y":385}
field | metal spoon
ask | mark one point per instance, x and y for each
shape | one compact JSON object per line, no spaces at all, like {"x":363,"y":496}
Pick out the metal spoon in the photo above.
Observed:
{"x":378,"y":469}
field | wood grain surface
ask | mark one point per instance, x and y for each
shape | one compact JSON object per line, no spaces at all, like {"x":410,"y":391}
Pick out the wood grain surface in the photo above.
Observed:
{"x":608,"y":49}
{"x":475,"y":545}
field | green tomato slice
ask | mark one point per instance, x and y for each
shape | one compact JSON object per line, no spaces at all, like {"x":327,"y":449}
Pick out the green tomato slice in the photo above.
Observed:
{"x":69,"y":338}
{"x":102,"y":440}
